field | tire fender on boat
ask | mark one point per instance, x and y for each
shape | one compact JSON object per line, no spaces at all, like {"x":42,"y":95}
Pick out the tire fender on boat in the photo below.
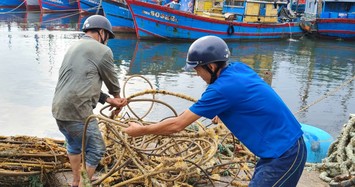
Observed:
{"x":230,"y":29}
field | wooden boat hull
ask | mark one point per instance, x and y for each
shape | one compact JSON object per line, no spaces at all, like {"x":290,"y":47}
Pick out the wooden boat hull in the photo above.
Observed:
{"x":330,"y":19}
{"x":119,"y":16}
{"x":158,"y":22}
{"x":58,"y":5}
{"x":336,"y":28}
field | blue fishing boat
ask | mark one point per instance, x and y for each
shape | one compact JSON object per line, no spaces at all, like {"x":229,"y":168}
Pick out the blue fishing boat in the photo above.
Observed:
{"x":330,"y":18}
{"x":119,"y":15}
{"x":90,"y":7}
{"x":232,"y":20}
{"x":58,"y":5}
{"x":12,"y":5}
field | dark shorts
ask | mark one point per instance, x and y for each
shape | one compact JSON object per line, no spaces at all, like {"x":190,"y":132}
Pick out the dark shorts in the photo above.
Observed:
{"x":95,"y":145}
{"x":283,"y":171}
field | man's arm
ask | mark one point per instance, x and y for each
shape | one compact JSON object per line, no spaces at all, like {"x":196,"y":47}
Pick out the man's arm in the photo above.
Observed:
{"x":168,"y":126}
{"x":103,"y":97}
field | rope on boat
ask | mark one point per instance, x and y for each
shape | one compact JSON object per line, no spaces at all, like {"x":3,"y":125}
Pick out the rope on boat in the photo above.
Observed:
{"x":14,"y":8}
{"x":193,"y":156}
{"x":98,"y":7}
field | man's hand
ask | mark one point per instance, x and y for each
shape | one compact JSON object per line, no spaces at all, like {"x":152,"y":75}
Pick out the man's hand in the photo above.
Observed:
{"x":134,"y":129}
{"x":215,"y":120}
{"x":118,"y":103}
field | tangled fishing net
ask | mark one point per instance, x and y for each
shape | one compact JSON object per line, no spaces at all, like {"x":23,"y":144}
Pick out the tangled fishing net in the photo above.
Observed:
{"x":203,"y":153}
{"x":338,"y":168}
{"x":26,"y":161}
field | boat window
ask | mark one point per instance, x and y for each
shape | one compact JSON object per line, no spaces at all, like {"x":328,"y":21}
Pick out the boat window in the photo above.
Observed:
{"x":234,"y":2}
{"x":337,"y":7}
{"x":262,"y":9}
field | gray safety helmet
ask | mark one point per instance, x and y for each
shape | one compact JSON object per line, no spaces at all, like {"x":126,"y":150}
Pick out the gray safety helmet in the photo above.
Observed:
{"x":98,"y":22}
{"x":206,"y":50}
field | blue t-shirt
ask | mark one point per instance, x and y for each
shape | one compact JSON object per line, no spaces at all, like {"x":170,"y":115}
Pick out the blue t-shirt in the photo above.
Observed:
{"x":251,"y":109}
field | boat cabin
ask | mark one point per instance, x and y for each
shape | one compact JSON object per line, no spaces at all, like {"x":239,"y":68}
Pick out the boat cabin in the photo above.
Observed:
{"x":298,"y":6}
{"x":254,"y":11}
{"x":248,"y":11}
{"x":329,"y":9}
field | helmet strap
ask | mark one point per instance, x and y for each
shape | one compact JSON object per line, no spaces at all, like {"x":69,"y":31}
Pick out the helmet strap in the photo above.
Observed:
{"x":106,"y":35}
{"x":213,"y":73}
{"x":101,"y":39}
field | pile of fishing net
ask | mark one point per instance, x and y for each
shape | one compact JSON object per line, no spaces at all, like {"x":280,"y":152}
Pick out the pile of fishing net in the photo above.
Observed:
{"x":338,"y":168}
{"x":203,"y":153}
{"x":26,"y":161}
{"x":196,"y":155}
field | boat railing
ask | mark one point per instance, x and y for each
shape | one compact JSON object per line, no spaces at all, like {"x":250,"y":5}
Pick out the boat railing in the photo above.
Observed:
{"x":309,"y":16}
{"x":337,"y":15}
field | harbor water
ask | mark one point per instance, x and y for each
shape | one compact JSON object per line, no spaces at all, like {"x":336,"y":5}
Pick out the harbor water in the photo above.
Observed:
{"x":312,"y":76}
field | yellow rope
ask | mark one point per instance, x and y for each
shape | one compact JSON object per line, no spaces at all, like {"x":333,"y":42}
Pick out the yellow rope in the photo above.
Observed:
{"x":327,"y":94}
{"x":153,"y":160}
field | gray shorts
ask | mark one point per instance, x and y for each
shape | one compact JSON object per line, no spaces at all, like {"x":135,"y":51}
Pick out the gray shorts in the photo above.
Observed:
{"x":95,"y":145}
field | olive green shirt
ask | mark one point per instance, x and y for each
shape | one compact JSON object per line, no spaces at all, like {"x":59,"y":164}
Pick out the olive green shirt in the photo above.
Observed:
{"x":85,"y":66}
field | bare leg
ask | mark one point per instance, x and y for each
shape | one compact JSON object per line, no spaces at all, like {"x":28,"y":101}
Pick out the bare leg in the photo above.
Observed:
{"x":91,"y":171}
{"x":75,"y":162}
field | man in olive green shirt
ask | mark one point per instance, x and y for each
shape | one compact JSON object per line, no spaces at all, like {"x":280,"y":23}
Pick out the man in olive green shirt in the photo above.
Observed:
{"x":87,"y":64}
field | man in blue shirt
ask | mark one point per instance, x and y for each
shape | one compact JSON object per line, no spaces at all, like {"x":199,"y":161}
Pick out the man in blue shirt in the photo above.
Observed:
{"x":250,"y":109}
